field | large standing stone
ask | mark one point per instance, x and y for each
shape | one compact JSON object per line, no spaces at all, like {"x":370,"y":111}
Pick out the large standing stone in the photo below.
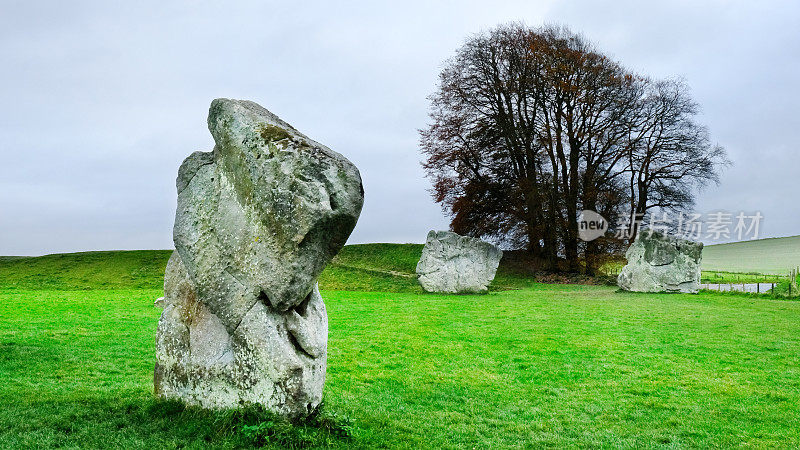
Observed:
{"x":453,"y":263}
{"x":258,"y":219}
{"x":658,"y":262}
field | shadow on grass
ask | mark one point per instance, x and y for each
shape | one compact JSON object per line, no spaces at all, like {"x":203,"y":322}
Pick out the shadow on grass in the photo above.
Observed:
{"x":152,"y":423}
{"x":253,"y":425}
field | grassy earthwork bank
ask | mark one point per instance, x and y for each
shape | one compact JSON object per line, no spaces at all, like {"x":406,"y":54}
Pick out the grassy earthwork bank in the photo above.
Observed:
{"x":527,"y":364}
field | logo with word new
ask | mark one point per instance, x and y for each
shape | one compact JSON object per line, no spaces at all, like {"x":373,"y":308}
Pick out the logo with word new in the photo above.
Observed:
{"x":591,"y":225}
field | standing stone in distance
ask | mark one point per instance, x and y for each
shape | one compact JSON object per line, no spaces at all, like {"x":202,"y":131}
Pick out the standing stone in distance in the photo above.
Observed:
{"x":258,"y":219}
{"x":457,"y":264}
{"x":658,"y":262}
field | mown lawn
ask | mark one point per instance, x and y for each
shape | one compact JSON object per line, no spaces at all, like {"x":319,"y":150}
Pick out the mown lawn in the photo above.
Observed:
{"x":549,"y":365}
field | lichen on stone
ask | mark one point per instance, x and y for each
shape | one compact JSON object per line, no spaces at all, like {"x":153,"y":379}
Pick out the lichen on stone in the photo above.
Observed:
{"x":658,"y":262}
{"x":452,"y":263}
{"x":243,"y":320}
{"x":272,"y":133}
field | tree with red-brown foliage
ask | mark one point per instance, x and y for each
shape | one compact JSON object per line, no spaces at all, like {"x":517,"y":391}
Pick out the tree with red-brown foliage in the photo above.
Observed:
{"x":531,"y":126}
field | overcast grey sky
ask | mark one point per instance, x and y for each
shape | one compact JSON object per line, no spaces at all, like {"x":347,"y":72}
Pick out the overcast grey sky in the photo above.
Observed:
{"x":102,"y":101}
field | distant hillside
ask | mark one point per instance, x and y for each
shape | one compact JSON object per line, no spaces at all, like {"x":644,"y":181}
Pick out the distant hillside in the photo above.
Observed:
{"x":136,"y":269}
{"x":361,"y":267}
{"x":380,"y":267}
{"x":769,"y":256}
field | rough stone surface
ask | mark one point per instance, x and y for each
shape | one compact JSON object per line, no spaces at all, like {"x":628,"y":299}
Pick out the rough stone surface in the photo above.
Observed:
{"x":658,"y":262}
{"x":453,"y":263}
{"x":258,"y":219}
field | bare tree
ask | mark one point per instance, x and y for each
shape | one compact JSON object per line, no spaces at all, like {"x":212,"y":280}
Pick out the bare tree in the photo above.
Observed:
{"x":669,"y":155}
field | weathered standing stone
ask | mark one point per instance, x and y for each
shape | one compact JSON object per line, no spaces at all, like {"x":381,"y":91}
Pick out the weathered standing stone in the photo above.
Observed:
{"x":257,"y":221}
{"x":453,"y":263}
{"x":661,"y":263}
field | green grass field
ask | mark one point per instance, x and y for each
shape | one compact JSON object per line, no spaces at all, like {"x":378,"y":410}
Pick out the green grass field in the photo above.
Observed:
{"x":763,"y":256}
{"x":736,"y":278}
{"x":543,"y":365}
